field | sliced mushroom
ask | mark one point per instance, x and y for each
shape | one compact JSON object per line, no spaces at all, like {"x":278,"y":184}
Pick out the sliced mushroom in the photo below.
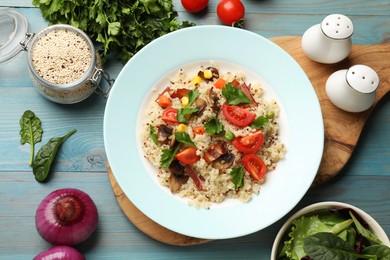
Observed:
{"x":214,"y":72}
{"x":200,"y":104}
{"x":175,"y":182}
{"x":215,"y":151}
{"x":213,"y":100}
{"x":224,"y":162}
{"x":177,"y":177}
{"x":163,"y":133}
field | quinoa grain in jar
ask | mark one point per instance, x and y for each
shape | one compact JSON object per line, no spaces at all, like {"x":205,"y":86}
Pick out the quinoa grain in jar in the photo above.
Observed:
{"x":62,"y":60}
{"x":63,"y":64}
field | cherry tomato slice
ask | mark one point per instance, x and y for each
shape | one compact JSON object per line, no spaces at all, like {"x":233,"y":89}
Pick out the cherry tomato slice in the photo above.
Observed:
{"x":230,"y":11}
{"x":169,"y":115}
{"x":188,"y":156}
{"x":237,"y":115}
{"x":194,"y":6}
{"x":255,"y":166}
{"x":250,"y":143}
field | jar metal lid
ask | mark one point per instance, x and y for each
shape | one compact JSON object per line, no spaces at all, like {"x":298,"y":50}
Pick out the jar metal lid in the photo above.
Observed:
{"x":13,"y":28}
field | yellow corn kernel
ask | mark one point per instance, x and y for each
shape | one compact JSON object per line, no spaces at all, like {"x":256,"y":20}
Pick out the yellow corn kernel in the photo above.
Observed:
{"x":182,"y":128}
{"x":208,"y":74}
{"x":196,"y":80}
{"x":184,"y":101}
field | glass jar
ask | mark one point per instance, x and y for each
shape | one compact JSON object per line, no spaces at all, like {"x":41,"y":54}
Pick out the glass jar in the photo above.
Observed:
{"x":63,"y":63}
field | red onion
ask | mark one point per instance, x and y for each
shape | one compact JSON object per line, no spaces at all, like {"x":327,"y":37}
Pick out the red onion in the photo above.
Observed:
{"x":66,"y":217}
{"x":60,"y":253}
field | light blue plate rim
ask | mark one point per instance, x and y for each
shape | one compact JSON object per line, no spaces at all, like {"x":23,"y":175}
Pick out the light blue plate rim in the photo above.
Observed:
{"x":285,"y":186}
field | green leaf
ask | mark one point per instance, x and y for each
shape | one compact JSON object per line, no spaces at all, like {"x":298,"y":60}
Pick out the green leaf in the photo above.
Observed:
{"x":260,"y":122}
{"x":153,"y":135}
{"x":327,"y":246}
{"x":184,"y":113}
{"x":237,"y":175}
{"x":192,"y":96}
{"x":382,"y":252}
{"x":30,"y":131}
{"x":184,"y":138}
{"x":234,"y":96}
{"x":214,"y":127}
{"x":167,"y":157}
{"x":113,"y":28}
{"x":365,"y":232}
{"x":45,"y":156}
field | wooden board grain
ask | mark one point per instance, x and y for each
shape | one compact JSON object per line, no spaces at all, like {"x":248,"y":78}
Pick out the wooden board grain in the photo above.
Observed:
{"x":342,"y":129}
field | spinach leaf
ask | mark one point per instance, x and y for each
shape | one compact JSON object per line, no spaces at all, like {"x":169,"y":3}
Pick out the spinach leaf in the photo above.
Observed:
{"x":167,"y":156}
{"x":234,"y":96}
{"x":184,"y":138}
{"x":237,"y":175}
{"x":365,"y":232}
{"x":327,"y":246}
{"x":45,"y":156}
{"x":382,"y":252}
{"x":214,"y":127}
{"x":30,"y":131}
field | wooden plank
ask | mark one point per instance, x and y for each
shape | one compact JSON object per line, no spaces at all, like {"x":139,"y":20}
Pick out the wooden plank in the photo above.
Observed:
{"x":117,"y":238}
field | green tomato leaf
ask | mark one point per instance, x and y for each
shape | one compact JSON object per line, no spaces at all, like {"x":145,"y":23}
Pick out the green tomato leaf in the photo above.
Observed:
{"x":234,"y":96}
{"x":184,"y":138}
{"x":237,"y":175}
{"x":30,"y":131}
{"x":214,"y":127}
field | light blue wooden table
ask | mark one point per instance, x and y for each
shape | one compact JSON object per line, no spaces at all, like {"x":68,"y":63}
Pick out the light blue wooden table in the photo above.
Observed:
{"x":364,"y":182}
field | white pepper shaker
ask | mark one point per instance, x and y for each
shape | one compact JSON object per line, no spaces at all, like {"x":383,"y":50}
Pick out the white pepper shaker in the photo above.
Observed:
{"x":330,"y":41}
{"x":353,"y":89}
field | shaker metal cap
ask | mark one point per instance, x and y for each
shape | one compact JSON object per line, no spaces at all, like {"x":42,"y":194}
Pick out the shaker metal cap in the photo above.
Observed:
{"x":337,"y":26}
{"x":362,"y":78}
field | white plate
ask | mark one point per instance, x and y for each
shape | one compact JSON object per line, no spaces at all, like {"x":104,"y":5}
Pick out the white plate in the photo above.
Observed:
{"x":301,"y":129}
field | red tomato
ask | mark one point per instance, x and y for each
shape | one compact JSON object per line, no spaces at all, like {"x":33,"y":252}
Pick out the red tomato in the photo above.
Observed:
{"x":230,"y":11}
{"x":250,"y":143}
{"x":237,"y":115}
{"x":194,"y":6}
{"x":255,"y":166}
{"x":188,"y":156}
{"x":179,"y":93}
{"x":169,"y":115}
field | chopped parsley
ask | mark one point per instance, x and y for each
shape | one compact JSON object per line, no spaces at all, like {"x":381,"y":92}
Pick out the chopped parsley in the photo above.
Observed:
{"x":192,"y":96}
{"x":184,"y":138}
{"x":238,"y":177}
{"x":234,"y":96}
{"x":260,"y":122}
{"x":167,"y":157}
{"x":152,"y":134}
{"x":214,"y":127}
{"x":183,"y":113}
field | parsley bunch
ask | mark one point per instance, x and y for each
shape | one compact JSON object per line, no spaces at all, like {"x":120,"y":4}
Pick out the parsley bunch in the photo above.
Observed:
{"x":119,"y":25}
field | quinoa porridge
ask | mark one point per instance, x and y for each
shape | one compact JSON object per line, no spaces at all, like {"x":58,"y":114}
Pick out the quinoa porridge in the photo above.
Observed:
{"x":212,"y":136}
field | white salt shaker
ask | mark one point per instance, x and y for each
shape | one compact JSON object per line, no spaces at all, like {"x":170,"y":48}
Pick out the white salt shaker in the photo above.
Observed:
{"x":330,"y":41}
{"x":353,"y":89}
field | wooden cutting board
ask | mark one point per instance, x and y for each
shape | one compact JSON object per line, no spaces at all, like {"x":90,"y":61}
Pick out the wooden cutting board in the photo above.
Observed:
{"x":342,"y":129}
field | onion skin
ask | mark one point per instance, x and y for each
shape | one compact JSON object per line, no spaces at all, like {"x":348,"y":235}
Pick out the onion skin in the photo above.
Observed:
{"x":60,"y":253}
{"x":66,"y":217}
